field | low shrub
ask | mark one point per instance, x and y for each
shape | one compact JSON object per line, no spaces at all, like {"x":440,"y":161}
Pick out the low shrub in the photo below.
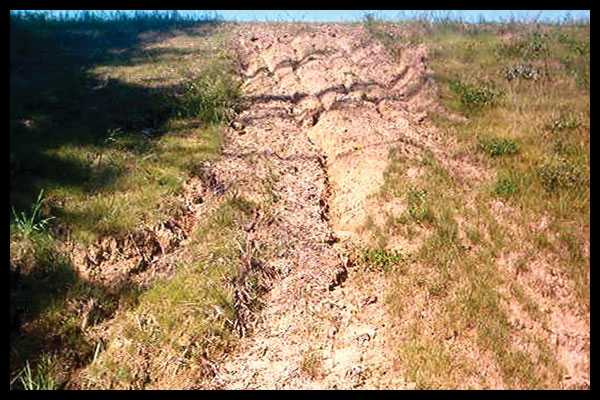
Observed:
{"x":384,"y":259}
{"x":476,"y":96}
{"x":498,"y":146}
{"x":561,"y":174}
{"x":525,"y":71}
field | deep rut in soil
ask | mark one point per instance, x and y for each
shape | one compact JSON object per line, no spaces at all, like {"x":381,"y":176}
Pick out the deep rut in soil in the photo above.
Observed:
{"x":324,"y":105}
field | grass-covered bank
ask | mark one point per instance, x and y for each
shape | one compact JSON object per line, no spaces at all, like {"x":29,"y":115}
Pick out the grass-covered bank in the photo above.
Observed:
{"x":503,"y":254}
{"x":110,"y":117}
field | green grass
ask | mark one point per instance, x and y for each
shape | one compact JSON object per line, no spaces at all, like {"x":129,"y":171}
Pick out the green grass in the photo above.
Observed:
{"x":109,"y":118}
{"x":498,"y":146}
{"x":191,"y":312}
{"x":41,"y":379}
{"x":133,"y":99}
{"x":526,"y":99}
{"x":26,"y":224}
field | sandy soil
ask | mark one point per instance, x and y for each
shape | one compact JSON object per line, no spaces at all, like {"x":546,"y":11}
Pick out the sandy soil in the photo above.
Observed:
{"x":324,"y":106}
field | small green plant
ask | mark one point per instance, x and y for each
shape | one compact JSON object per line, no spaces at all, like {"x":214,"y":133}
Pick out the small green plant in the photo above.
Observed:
{"x":384,"y":259}
{"x":476,"y":96}
{"x":506,"y":184}
{"x":560,"y":174}
{"x":498,"y":146}
{"x":418,"y":207}
{"x":42,"y":380}
{"x":25,"y":224}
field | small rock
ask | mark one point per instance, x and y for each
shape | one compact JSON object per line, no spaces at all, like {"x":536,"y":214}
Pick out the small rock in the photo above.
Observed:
{"x":370,"y":300}
{"x":238,"y":126}
{"x":411,"y":386}
{"x":331,"y":331}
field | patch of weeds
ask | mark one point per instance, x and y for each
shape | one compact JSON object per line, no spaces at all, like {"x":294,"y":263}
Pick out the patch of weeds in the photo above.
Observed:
{"x":579,"y":47}
{"x":439,"y":287}
{"x":563,"y":123}
{"x":518,"y":369}
{"x":383,"y":259}
{"x":562,"y":149}
{"x":507,"y":183}
{"x":27,"y":224}
{"x":525,"y":71}
{"x":312,"y":364}
{"x":476,"y":96}
{"x":376,"y":28}
{"x":579,"y":68}
{"x":533,"y":46}
{"x":210,"y":97}
{"x":529,"y":305}
{"x":561,"y":174}
{"x":498,"y":146}
{"x":474,"y":235}
{"x":427,"y":361}
{"x":379,"y":234}
{"x":418,"y":208}
{"x":42,"y":378}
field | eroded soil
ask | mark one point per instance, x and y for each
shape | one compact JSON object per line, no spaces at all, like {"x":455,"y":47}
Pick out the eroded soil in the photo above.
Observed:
{"x":325,"y":104}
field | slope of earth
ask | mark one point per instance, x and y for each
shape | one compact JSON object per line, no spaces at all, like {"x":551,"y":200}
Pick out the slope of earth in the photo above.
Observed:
{"x":338,"y":145}
{"x":325,"y":104}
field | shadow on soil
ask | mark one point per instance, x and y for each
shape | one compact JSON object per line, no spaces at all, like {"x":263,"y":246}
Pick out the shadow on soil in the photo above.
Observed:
{"x":56,"y":101}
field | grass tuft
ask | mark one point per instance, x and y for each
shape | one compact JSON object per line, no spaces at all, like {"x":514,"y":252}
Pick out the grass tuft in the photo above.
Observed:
{"x":25,"y":225}
{"x":498,"y":146}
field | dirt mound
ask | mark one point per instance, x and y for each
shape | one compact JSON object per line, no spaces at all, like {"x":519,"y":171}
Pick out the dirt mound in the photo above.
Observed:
{"x":324,"y":106}
{"x":142,"y":254}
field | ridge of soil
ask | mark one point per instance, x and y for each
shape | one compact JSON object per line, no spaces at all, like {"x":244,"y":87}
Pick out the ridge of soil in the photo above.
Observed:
{"x":324,"y":106}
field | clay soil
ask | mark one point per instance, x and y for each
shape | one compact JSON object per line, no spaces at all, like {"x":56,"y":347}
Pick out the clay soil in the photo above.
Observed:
{"x":324,"y":106}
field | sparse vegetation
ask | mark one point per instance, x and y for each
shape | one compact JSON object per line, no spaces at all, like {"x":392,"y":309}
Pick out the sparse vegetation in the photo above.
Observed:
{"x":483,"y":241}
{"x":537,"y":157}
{"x":384,"y":259}
{"x":25,"y":225}
{"x":475,"y":96}
{"x":151,"y":117}
{"x":498,"y":146}
{"x":312,"y":364}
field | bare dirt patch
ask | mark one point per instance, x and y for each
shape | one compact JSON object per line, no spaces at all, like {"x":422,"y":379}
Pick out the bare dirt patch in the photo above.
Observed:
{"x":324,"y":106}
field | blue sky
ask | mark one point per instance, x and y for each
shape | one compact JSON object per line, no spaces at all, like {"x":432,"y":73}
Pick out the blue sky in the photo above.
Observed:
{"x":356,"y":15}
